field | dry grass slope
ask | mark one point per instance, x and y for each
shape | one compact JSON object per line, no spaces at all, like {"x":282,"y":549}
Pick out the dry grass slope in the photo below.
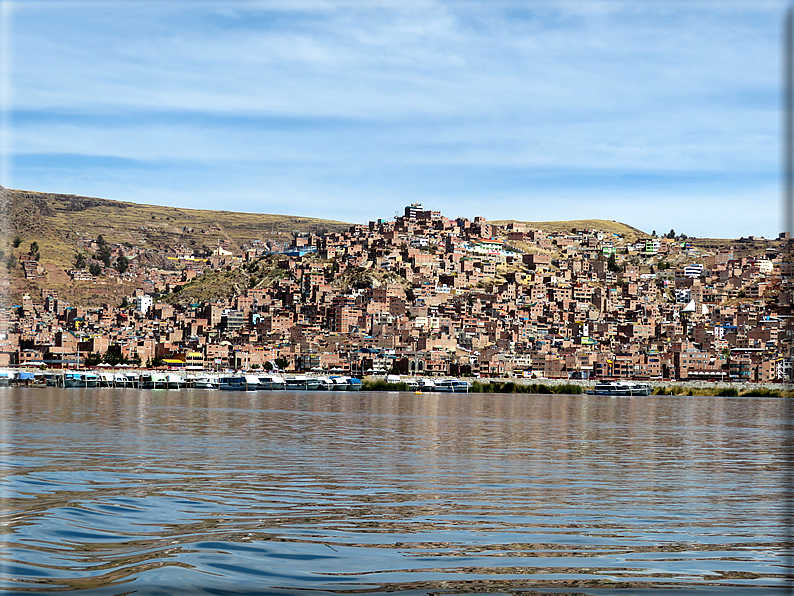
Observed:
{"x":57,"y":222}
{"x":609,"y":226}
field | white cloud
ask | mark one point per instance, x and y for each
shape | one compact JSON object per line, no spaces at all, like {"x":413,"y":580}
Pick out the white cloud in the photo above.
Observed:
{"x":352,"y":92}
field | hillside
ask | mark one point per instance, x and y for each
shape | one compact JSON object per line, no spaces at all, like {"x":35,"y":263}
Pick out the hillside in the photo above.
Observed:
{"x":72,"y":217}
{"x":612,"y":227}
{"x":61,"y":225}
{"x":62,"y":228}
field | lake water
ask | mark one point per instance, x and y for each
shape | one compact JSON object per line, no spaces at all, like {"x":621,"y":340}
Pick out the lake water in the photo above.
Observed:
{"x":122,"y":491}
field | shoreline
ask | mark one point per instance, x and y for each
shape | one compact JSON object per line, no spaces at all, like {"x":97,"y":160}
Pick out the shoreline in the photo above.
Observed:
{"x":659,"y":387}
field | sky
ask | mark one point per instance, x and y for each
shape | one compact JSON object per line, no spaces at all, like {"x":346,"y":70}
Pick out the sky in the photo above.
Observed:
{"x":660,"y":114}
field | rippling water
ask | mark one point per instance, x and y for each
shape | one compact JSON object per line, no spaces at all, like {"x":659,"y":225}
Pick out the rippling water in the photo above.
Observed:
{"x":110,"y":491}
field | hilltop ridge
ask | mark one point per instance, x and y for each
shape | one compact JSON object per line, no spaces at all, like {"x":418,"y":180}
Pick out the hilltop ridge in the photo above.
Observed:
{"x":68,"y":232}
{"x":64,"y":225}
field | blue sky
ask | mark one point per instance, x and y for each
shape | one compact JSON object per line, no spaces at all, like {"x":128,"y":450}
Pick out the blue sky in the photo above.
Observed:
{"x":657,"y":113}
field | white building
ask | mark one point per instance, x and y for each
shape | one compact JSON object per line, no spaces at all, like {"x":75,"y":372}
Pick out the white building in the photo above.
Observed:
{"x":143,"y":303}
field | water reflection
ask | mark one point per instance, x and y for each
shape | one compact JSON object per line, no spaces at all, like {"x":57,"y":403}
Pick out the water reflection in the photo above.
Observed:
{"x":112,"y":491}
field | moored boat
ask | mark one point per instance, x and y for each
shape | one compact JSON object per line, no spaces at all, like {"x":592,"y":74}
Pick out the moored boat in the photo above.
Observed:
{"x":452,"y":386}
{"x":106,"y":379}
{"x":154,"y":381}
{"x":69,"y":379}
{"x":174,"y":381}
{"x":620,"y":388}
{"x":353,"y":384}
{"x":206,"y":382}
{"x":89,"y":379}
{"x":324,"y":383}
{"x":302,"y":383}
{"x":232,"y":383}
{"x":252,"y":383}
{"x":121,"y":380}
{"x":425,"y":385}
{"x":338,"y":383}
{"x":272,"y":382}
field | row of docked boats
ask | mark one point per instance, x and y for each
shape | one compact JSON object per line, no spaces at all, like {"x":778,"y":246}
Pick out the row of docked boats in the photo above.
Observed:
{"x":227,"y":381}
{"x":275,"y":382}
{"x":171,"y":380}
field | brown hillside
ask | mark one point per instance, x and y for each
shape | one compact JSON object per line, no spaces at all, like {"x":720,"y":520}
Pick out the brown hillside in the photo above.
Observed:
{"x":58,"y":222}
{"x":612,"y":227}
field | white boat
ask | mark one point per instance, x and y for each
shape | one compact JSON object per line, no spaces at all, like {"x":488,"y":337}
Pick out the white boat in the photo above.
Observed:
{"x":5,"y":378}
{"x":425,"y":385}
{"x":324,"y":383}
{"x":338,"y":383}
{"x":121,"y":380}
{"x":252,"y":383}
{"x":133,"y":379}
{"x":174,"y":381}
{"x":620,"y":388}
{"x":154,"y":381}
{"x":452,"y":386}
{"x":207,"y":382}
{"x":302,"y":383}
{"x":106,"y":379}
{"x":272,"y":382}
{"x":89,"y":379}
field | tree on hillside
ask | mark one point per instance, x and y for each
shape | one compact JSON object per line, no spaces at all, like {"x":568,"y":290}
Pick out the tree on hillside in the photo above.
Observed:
{"x":104,"y":255}
{"x":17,"y":241}
{"x":612,"y":264}
{"x":79,"y":260}
{"x":122,"y":264}
{"x":95,"y":269}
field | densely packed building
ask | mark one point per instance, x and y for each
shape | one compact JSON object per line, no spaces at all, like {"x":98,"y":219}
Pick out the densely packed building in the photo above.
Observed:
{"x":424,"y":294}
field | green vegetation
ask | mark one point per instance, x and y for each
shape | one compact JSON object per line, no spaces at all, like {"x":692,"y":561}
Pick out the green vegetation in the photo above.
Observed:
{"x":360,"y":278}
{"x":727,"y":392}
{"x":111,"y":357}
{"x":104,"y":254}
{"x":381,"y":385}
{"x":211,"y":286}
{"x":761,"y":392}
{"x":534,"y":388}
{"x":721,"y":392}
{"x":122,"y":264}
{"x":48,"y":216}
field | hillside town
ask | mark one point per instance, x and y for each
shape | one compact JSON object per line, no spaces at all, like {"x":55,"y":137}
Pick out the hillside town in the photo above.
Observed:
{"x":426,"y":295}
